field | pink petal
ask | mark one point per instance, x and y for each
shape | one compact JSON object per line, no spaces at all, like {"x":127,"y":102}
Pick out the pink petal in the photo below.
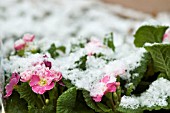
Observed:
{"x":105,"y":79}
{"x":28,"y":37}
{"x":98,"y":98}
{"x":19,"y":44}
{"x":8,"y":94}
{"x":111,"y":87}
{"x":38,"y":89}
{"x":49,"y":87}
{"x":48,"y":64}
{"x":9,"y":88}
{"x":34,"y":80}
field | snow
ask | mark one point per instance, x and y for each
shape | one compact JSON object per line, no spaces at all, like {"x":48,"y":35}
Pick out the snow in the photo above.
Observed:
{"x":156,"y":95}
{"x":62,"y":23}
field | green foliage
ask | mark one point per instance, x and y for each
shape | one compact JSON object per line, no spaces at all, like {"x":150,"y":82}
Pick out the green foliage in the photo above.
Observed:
{"x":53,"y":50}
{"x":44,"y":109}
{"x":108,"y":41}
{"x":150,"y":34}
{"x":81,"y":63}
{"x":90,"y":102}
{"x":71,"y":102}
{"x":67,"y":83}
{"x":27,"y":94}
{"x":16,"y":105}
{"x":105,"y":108}
{"x":126,"y":110}
{"x":161,"y":58}
{"x":20,"y":52}
{"x":141,"y":70}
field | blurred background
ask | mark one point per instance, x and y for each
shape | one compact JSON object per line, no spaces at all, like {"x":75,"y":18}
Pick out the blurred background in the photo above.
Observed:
{"x":61,"y":19}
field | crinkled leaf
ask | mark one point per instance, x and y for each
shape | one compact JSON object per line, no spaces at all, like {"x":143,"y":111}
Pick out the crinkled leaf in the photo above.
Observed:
{"x":161,"y":58}
{"x":90,"y":102}
{"x":66,"y":102}
{"x":67,"y":83}
{"x":105,"y":108}
{"x":70,"y":102}
{"x":126,"y":110}
{"x":16,"y":105}
{"x":45,"y":109}
{"x":140,"y":70}
{"x":149,"y":34}
{"x":108,"y":41}
{"x":27,"y":94}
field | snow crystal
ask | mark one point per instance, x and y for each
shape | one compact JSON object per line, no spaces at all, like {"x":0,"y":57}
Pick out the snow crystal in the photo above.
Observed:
{"x":156,"y":95}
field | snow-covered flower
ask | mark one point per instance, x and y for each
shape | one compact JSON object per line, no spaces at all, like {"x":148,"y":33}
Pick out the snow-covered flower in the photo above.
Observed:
{"x":26,"y":75}
{"x":28,"y":37}
{"x":106,"y":84}
{"x":19,"y":44}
{"x":43,"y":79}
{"x":13,"y":82}
{"x":166,"y":37}
{"x":92,"y":46}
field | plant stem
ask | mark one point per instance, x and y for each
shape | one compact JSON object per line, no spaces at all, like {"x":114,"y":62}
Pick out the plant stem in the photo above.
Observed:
{"x":41,"y":100}
{"x":111,"y":100}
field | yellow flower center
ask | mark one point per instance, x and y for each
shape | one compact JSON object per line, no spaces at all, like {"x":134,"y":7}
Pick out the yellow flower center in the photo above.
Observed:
{"x":42,"y":82}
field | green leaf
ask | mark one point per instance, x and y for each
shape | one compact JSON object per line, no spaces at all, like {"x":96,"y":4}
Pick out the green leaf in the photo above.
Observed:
{"x":149,"y":34}
{"x":104,"y":107}
{"x":16,"y":105}
{"x":71,"y":102}
{"x":67,"y":83}
{"x":161,"y":58}
{"x":53,"y":50}
{"x":44,"y":109}
{"x":66,"y":102}
{"x":108,"y":41}
{"x":81,"y":63}
{"x":125,"y":110}
{"x":140,"y":70}
{"x":27,"y":94}
{"x":90,"y":102}
{"x":20,"y":52}
{"x":130,"y":88}
{"x":61,"y":48}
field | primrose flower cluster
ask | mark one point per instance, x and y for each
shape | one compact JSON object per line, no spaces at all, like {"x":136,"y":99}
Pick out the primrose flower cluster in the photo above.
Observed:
{"x":40,"y":75}
{"x":96,"y":75}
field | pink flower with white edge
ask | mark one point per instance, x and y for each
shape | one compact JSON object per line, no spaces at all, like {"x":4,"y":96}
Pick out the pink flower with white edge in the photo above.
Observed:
{"x":166,"y":37}
{"x":40,"y":85}
{"x":92,"y":46}
{"x":28,"y":37}
{"x":10,"y":86}
{"x":26,"y":75}
{"x":19,"y":44}
{"x":106,"y":84}
{"x":43,"y":79}
{"x":57,"y":76}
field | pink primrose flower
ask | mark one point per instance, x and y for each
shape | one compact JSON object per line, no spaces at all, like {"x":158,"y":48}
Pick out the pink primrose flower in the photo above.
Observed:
{"x":92,"y":46}
{"x":26,"y":75}
{"x":10,"y":86}
{"x":108,"y":84}
{"x":19,"y":44}
{"x":28,"y":38}
{"x":40,"y":85}
{"x":166,"y":37}
{"x":43,"y":79}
